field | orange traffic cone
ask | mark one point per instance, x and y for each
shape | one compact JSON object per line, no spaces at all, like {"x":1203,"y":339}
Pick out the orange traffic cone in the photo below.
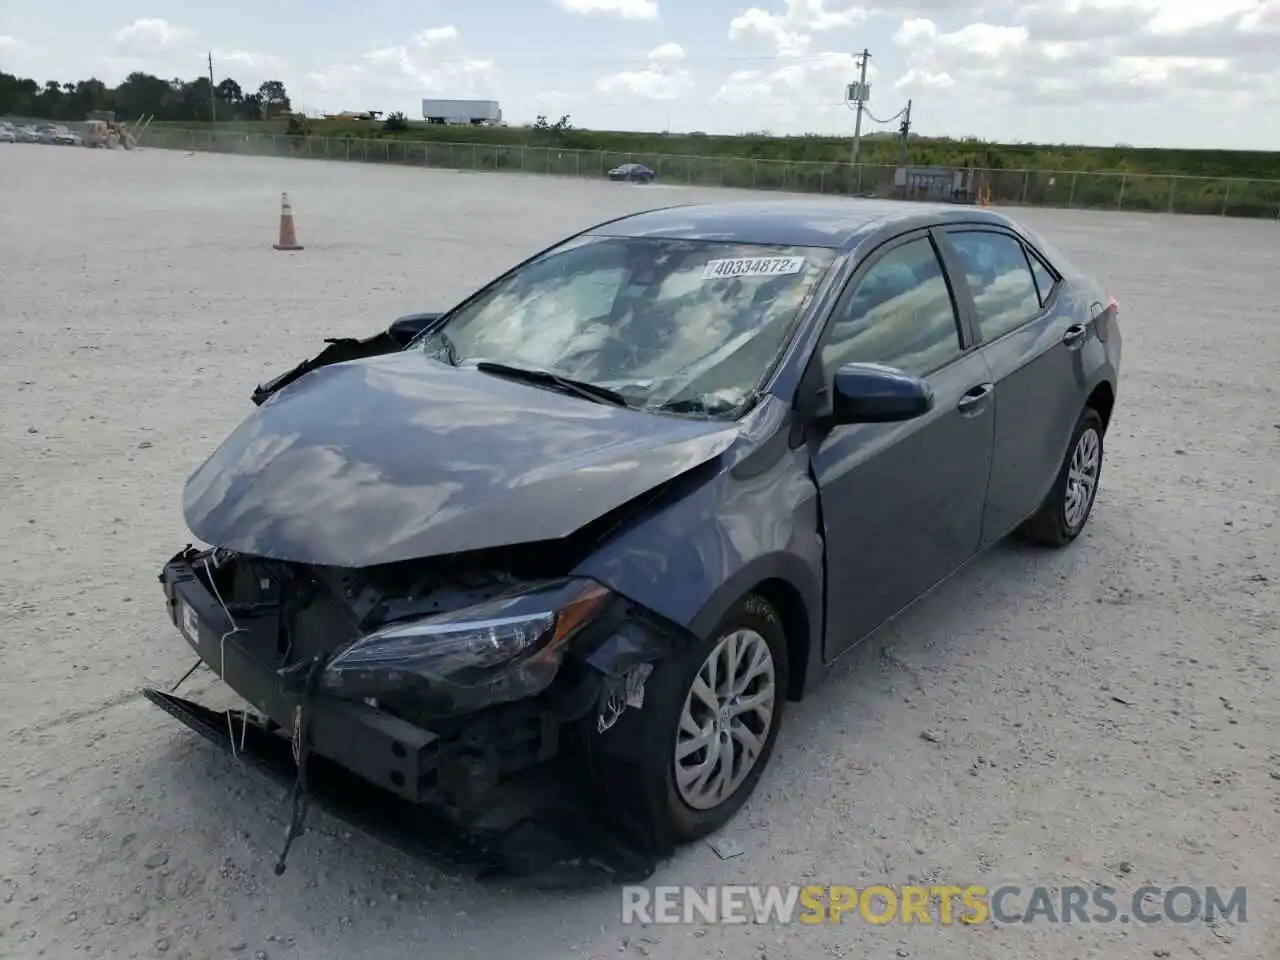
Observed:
{"x":288,"y":235}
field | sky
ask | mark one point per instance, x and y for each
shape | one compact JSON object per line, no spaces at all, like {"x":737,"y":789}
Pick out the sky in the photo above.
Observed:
{"x":1174,"y":73}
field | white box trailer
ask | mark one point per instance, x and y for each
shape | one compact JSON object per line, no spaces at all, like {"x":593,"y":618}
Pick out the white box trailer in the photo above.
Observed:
{"x":477,"y":112}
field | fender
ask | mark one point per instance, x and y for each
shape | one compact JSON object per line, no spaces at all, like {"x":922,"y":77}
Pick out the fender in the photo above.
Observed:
{"x":763,"y":505}
{"x":795,"y":588}
{"x":785,"y":567}
{"x":1105,"y":374}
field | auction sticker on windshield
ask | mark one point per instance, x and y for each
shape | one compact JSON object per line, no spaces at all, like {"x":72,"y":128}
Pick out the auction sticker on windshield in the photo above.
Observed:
{"x":752,"y":267}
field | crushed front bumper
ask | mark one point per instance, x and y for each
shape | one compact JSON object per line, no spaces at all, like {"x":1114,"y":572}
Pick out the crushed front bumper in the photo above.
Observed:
{"x":386,"y":751}
{"x":554,"y":847}
{"x":412,"y":828}
{"x":388,"y":777}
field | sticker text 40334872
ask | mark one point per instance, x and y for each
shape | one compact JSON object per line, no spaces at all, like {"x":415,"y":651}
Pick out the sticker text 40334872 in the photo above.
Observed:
{"x":752,"y":267}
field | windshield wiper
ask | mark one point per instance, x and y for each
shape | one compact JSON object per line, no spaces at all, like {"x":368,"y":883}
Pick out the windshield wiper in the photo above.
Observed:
{"x":450,"y":351}
{"x":580,"y":388}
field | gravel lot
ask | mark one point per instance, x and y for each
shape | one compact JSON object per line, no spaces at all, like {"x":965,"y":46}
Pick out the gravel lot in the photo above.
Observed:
{"x":1103,"y":714}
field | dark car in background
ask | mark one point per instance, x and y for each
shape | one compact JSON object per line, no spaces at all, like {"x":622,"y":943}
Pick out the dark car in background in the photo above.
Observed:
{"x":633,"y":173}
{"x":628,"y":499}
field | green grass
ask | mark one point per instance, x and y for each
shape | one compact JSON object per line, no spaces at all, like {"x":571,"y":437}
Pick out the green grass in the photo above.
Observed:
{"x":1181,"y":181}
{"x":1254,"y":165}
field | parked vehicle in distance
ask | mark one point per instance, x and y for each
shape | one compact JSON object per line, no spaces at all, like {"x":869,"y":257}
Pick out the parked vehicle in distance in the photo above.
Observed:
{"x":633,"y":172}
{"x":476,"y":113}
{"x":8,"y":132}
{"x":632,"y":496}
{"x":29,"y":134}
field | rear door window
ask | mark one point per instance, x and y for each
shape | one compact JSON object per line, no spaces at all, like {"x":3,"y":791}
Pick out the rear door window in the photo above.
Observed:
{"x":1045,"y":281}
{"x":1000,"y":279}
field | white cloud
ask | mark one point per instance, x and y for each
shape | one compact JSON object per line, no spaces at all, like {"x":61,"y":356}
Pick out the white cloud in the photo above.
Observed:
{"x":668,"y":51}
{"x":814,"y":82}
{"x":1152,"y":24}
{"x":339,"y":77}
{"x":430,"y":64}
{"x":662,"y":79}
{"x":917,"y":79}
{"x":1179,"y":16}
{"x":555,"y":99}
{"x":820,"y":77}
{"x":626,"y":9}
{"x":791,"y":30}
{"x":113,"y":70}
{"x":437,"y":35}
{"x":147,"y":35}
{"x":1083,"y":52}
{"x":1264,"y":18}
{"x":258,"y":64}
{"x":810,"y":90}
{"x":10,"y":44}
{"x":979,"y":40}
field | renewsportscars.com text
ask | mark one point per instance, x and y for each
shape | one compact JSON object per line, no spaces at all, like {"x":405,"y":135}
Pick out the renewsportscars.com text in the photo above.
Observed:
{"x":940,"y":905}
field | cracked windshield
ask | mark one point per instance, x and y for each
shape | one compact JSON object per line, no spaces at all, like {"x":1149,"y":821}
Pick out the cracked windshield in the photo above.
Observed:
{"x":680,"y":325}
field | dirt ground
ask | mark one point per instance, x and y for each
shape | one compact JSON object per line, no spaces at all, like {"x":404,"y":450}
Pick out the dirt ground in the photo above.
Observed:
{"x":1102,"y":714}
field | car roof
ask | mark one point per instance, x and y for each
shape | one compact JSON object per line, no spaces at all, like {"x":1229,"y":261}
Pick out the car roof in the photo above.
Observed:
{"x":834,"y":222}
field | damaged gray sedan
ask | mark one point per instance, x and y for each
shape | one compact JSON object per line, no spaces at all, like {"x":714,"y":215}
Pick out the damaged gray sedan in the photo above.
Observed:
{"x":619,"y":506}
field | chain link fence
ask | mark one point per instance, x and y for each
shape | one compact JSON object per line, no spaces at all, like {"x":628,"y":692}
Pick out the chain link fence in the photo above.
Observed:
{"x":1042,"y":188}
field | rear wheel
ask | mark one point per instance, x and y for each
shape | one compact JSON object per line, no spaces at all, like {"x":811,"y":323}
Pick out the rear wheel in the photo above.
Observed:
{"x":1067,"y":509}
{"x":682,"y":765}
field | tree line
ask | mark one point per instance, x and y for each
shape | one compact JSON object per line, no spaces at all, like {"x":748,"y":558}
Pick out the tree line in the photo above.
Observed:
{"x":140,"y":95}
{"x":195,"y":103}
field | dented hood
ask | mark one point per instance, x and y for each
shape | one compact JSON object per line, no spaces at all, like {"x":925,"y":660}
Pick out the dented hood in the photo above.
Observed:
{"x":399,"y":457}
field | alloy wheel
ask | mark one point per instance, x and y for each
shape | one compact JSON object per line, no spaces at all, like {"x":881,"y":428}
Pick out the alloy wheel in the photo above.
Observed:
{"x":726,"y":719}
{"x":1082,"y":478}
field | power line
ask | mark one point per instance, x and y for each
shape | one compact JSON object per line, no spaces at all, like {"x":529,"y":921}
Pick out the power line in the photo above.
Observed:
{"x":858,"y":94}
{"x":642,"y":59}
{"x":896,"y":116}
{"x":686,"y":102}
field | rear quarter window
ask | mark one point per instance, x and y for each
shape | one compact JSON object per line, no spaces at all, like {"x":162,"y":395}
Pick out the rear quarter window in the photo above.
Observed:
{"x":1045,"y":281}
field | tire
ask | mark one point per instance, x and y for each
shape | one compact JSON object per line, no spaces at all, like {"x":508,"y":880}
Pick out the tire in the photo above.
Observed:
{"x":1056,"y":524}
{"x":633,"y":763}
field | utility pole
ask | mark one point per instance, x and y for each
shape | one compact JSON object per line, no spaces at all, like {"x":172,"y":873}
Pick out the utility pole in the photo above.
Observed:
{"x":860,"y":102}
{"x":213,"y":96}
{"x":905,"y":130}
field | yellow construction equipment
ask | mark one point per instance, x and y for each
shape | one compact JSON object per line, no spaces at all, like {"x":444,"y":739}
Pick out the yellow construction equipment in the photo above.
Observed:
{"x":102,"y":130}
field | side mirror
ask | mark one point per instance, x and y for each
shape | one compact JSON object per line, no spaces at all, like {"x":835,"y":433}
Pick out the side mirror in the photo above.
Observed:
{"x":874,"y":393}
{"x":404,"y":329}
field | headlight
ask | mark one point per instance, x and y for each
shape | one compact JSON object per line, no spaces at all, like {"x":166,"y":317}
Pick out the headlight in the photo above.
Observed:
{"x":503,"y":649}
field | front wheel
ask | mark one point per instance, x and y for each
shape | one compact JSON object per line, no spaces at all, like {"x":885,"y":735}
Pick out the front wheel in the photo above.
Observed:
{"x":1066,"y":510}
{"x":682,"y":765}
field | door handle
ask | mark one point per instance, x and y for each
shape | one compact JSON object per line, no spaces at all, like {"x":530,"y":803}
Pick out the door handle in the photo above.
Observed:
{"x":1074,"y":336}
{"x":975,"y":399}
